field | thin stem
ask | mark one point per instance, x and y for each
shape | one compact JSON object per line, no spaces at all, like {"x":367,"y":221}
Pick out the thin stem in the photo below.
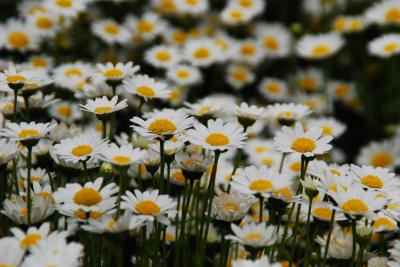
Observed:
{"x":282,"y":161}
{"x":15,"y":105}
{"x":261,"y":201}
{"x":307,"y":251}
{"x":29,"y":200}
{"x":85,"y":171}
{"x":353,"y":230}
{"x":328,"y":240}
{"x":162,"y":165}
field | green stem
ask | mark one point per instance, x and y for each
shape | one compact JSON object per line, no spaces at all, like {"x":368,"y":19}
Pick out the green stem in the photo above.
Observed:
{"x":28,"y":187}
{"x":282,"y":161}
{"x":354,"y":232}
{"x":162,"y":165}
{"x":328,"y":239}
{"x":307,"y":251}
{"x":15,"y":105}
{"x":260,"y":214}
{"x":28,"y":111}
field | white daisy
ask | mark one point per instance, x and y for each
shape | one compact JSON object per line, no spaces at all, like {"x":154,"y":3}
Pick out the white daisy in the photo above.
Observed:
{"x":19,"y":36}
{"x":11,"y":253}
{"x":147,"y":27}
{"x":150,"y":206}
{"x":247,"y":115}
{"x":32,"y":236}
{"x":287,"y":112}
{"x":116,"y":72}
{"x":375,"y":178}
{"x":193,"y":7}
{"x":384,"y":12}
{"x":319,"y":46}
{"x":80,"y":148}
{"x":124,"y":155}
{"x":273,"y":89}
{"x":239,"y":76}
{"x":146,"y":87}
{"x":235,"y":15}
{"x":103,"y":106}
{"x":26,"y":131}
{"x":274,"y":38}
{"x":44,"y":23}
{"x":253,"y":234}
{"x":162,"y":56}
{"x":217,"y":135}
{"x":330,"y":126}
{"x":162,"y":124}
{"x":111,"y":32}
{"x":185,"y":75}
{"x":68,"y":8}
{"x":383,"y":154}
{"x":309,"y":80}
{"x":65,"y":111}
{"x":8,"y":151}
{"x":296,"y":140}
{"x":202,"y":52}
{"x":385,"y":46}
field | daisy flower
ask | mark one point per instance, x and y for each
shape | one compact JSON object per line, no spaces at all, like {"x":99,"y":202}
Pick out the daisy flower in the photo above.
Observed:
{"x":184,"y":75}
{"x":111,"y":32}
{"x":43,"y":23}
{"x":296,"y":140}
{"x":330,"y":126}
{"x":65,"y":111}
{"x":375,"y":178}
{"x":32,"y":236}
{"x":150,"y":205}
{"x":217,"y":135}
{"x":8,"y":151}
{"x":341,"y":90}
{"x":235,"y":15}
{"x":385,"y":46}
{"x":383,"y":154}
{"x":384,"y":13}
{"x":162,"y":56}
{"x":239,"y":76}
{"x":309,"y":80}
{"x":248,"y":51}
{"x":247,"y":115}
{"x":80,"y":148}
{"x":65,"y":73}
{"x":115,"y":72}
{"x":341,"y":243}
{"x":42,"y":62}
{"x":253,"y":235}
{"x":259,"y":146}
{"x":16,"y":209}
{"x":147,"y":27}
{"x":287,"y":113}
{"x":162,"y":124}
{"x":26,"y":131}
{"x":253,"y":6}
{"x":145,"y":87}
{"x":103,"y":106}
{"x":89,"y":197}
{"x":202,"y":52}
{"x":16,"y":78}
{"x":383,"y":223}
{"x":124,"y":155}
{"x":319,"y":46}
{"x":230,"y":207}
{"x":11,"y":253}
{"x":67,"y":8}
{"x":274,"y":38}
{"x":191,"y":7}
{"x":263,"y":180}
{"x":205,"y":108}
{"x":19,"y":36}
{"x":323,"y":211}
{"x":110,"y":224}
{"x":273,"y":89}
{"x":356,"y":201}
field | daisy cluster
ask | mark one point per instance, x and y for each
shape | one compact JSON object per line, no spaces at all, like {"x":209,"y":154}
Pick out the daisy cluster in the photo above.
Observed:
{"x":196,"y":132}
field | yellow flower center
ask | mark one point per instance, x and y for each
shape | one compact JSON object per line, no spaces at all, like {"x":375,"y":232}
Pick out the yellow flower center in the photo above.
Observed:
{"x":179,"y":37}
{"x":284,"y":191}
{"x":327,"y":130}
{"x":144,"y":26}
{"x":339,"y":24}
{"x":145,"y":91}
{"x":372,"y":181}
{"x":111,"y":28}
{"x":354,"y":206}
{"x":261,"y":185}
{"x":217,"y":139}
{"x":231,"y":207}
{"x":335,"y":172}
{"x":27,"y":133}
{"x":178,"y":176}
{"x":18,"y":39}
{"x":267,"y":161}
{"x":147,"y":207}
{"x":260,"y":149}
{"x":102,"y":110}
{"x":391,"y":47}
{"x":246,"y":3}
{"x":15,"y":79}
{"x":8,"y":107}
{"x":253,"y":236}
{"x":393,"y":14}
{"x":308,"y":83}
{"x":122,"y":160}
{"x":248,"y":49}
{"x":82,"y":150}
{"x":296,"y":166}
{"x":44,"y":23}
{"x":192,"y":2}
{"x":39,"y":62}
{"x":83,"y":215}
{"x":271,"y":43}
{"x":73,"y":72}
{"x":64,"y":3}
{"x":321,"y":50}
{"x":240,"y":75}
{"x":161,"y":126}
{"x":64,"y":111}
{"x":87,"y":197}
{"x":382,"y":159}
{"x":342,"y":90}
{"x":236,"y":14}
{"x":183,"y":74}
{"x":6,"y":265}
{"x":303,"y":145}
{"x":384,"y":222}
{"x":30,"y":240}
{"x":273,"y":87}
{"x":202,"y":53}
{"x":113,"y":73}
{"x":163,"y":56}
{"x":169,"y":237}
{"x":323,"y":213}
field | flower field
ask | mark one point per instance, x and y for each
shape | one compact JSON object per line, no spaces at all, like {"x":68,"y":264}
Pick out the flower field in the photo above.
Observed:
{"x":177,"y":133}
